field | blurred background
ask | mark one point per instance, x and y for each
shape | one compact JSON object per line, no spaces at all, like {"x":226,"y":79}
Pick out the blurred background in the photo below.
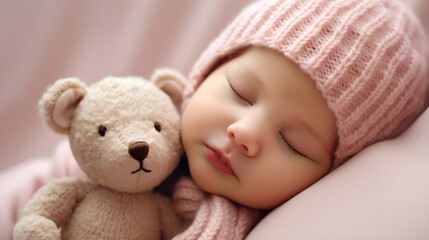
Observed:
{"x":42,"y":41}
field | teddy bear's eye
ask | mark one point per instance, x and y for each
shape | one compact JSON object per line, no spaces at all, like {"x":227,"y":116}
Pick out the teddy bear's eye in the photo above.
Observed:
{"x":102,"y":130}
{"x":157,"y":126}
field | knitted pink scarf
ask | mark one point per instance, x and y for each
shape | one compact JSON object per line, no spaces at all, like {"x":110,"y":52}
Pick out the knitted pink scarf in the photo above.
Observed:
{"x":212,"y":216}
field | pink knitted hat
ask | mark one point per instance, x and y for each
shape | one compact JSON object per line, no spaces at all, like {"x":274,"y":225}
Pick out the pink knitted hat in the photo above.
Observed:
{"x":367,"y":58}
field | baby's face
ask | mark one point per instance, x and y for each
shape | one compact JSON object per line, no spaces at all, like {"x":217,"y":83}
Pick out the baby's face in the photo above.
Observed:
{"x":258,"y":131}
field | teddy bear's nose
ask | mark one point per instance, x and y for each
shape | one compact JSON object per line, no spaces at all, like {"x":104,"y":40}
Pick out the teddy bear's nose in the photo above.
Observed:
{"x":138,"y":150}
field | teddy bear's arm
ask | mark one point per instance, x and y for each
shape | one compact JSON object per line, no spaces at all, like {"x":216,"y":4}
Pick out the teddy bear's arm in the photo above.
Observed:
{"x":49,"y":208}
{"x":171,"y":222}
{"x":56,"y":199}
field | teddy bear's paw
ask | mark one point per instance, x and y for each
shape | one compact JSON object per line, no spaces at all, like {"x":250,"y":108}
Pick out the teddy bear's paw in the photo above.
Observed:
{"x":36,"y":227}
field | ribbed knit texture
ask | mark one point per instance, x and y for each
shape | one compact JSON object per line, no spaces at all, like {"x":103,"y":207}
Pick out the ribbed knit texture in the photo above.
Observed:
{"x":212,"y":216}
{"x":367,"y":58}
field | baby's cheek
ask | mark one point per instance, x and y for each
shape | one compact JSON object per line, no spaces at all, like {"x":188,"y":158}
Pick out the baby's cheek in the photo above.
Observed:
{"x":205,"y":175}
{"x":201,"y":173}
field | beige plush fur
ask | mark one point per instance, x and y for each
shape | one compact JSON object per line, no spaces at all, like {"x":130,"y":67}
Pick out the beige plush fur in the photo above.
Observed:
{"x":124,"y":133}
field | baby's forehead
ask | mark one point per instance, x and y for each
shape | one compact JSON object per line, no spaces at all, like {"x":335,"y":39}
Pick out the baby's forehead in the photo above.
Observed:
{"x":263,"y":67}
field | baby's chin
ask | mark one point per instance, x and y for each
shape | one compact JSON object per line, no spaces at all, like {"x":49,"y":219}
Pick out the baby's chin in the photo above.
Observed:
{"x":254,"y":201}
{"x":257,"y":203}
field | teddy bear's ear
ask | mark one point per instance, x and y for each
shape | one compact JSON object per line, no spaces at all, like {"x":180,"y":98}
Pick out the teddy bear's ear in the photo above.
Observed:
{"x":171,"y":82}
{"x":59,"y":102}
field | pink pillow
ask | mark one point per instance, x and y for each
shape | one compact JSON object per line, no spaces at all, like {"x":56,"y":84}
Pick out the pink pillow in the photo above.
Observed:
{"x":381,"y":193}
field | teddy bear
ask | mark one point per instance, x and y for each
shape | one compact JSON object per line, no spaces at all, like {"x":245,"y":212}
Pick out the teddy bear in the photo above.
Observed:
{"x":124,"y":133}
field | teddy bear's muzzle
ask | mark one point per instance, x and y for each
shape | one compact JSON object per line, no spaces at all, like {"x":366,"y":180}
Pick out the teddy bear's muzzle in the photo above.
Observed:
{"x":139,"y":151}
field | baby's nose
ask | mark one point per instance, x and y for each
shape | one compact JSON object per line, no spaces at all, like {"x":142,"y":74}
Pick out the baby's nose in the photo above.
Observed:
{"x":245,"y":141}
{"x":139,"y":150}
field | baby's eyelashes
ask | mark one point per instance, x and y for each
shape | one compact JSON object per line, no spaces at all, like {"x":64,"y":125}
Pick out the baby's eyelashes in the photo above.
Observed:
{"x":237,"y":92}
{"x":288,"y":145}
